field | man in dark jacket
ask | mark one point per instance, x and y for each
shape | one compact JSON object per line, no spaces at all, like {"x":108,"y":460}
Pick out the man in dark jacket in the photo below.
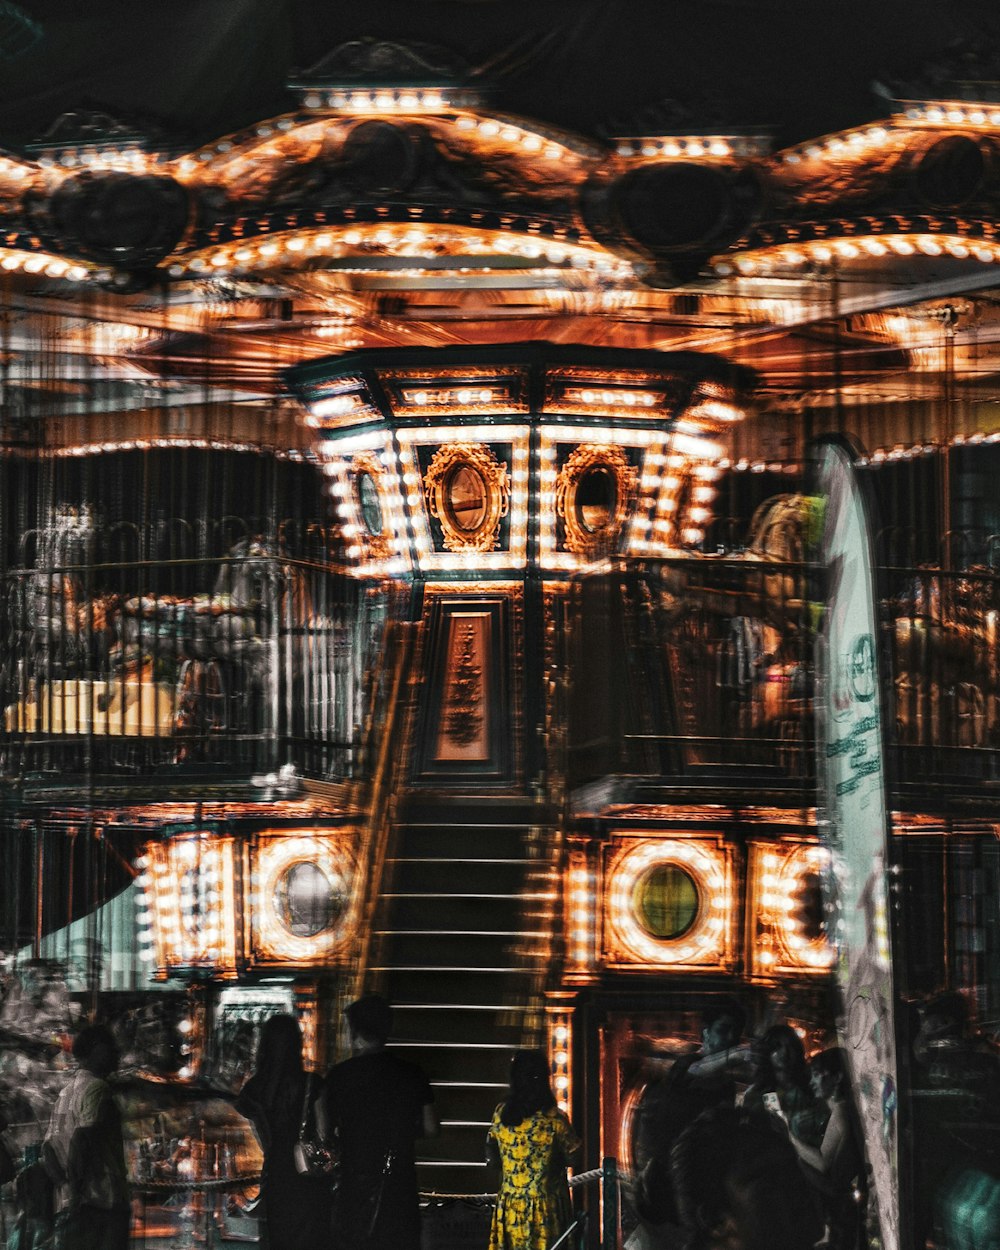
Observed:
{"x":377,"y":1104}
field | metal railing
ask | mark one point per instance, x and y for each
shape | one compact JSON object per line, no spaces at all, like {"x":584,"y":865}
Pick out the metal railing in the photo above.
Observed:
{"x":605,"y":1178}
{"x":247,"y":659}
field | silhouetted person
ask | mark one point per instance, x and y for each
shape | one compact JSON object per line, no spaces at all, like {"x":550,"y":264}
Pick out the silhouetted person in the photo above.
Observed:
{"x":836,"y":1166}
{"x":782,"y":1072}
{"x":738,"y":1186}
{"x":530,"y":1140}
{"x":699,"y":1081}
{"x":377,"y":1104}
{"x":84,"y":1152}
{"x":297,"y":1209}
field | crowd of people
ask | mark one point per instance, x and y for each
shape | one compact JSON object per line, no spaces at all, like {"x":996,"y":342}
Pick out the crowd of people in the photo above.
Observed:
{"x":339,"y":1170}
{"x":749,"y":1147}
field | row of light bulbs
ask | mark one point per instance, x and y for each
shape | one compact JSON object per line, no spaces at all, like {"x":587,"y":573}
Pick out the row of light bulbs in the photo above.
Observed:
{"x":603,"y":906}
{"x":654,"y":524}
{"x":420,"y":241}
{"x":763,"y":261}
{"x":692,"y":147}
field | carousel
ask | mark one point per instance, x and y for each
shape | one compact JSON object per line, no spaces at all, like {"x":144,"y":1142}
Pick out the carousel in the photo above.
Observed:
{"x":433,"y":542}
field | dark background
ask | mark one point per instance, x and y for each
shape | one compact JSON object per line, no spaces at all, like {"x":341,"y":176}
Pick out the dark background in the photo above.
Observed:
{"x":201,"y":68}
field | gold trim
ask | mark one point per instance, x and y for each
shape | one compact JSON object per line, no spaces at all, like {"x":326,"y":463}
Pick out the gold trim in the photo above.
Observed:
{"x":581,"y":461}
{"x":378,"y":546}
{"x":496,"y":480}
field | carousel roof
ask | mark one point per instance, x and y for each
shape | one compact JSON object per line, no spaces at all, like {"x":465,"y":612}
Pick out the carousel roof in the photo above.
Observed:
{"x":191,"y":204}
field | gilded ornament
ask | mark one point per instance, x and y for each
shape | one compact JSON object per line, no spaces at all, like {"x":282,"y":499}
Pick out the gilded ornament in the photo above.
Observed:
{"x":594,"y":490}
{"x":468,"y":492}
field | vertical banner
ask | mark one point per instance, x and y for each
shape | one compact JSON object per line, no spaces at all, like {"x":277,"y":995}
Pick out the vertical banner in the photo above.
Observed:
{"x":854,"y":819}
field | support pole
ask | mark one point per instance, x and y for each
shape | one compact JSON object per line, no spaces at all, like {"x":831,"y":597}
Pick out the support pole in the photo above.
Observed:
{"x":609,"y":1192}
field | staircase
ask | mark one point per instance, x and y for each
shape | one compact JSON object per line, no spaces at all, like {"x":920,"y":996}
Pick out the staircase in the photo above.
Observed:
{"x":463,"y":932}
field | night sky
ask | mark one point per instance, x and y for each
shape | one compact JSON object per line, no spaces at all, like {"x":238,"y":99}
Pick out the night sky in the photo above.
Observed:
{"x":200,"y":68}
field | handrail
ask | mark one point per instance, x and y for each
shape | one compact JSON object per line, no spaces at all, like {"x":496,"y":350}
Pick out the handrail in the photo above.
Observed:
{"x":381,"y":792}
{"x":607,"y":1174}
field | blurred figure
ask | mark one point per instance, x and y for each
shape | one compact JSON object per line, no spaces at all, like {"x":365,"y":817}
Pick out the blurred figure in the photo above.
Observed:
{"x":950,"y":1054}
{"x":377,"y":1104}
{"x":297,"y":1209}
{"x":697,"y":1082}
{"x":781,"y":1088}
{"x":84,"y":1152}
{"x":761,"y":1200}
{"x":836,"y":1166}
{"x":530,"y":1141}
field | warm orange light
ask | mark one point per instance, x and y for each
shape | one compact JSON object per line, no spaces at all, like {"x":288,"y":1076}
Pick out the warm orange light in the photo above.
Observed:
{"x":190,"y":889}
{"x":275,"y":856}
{"x":560,"y":1047}
{"x":777,"y":941}
{"x":708,"y":941}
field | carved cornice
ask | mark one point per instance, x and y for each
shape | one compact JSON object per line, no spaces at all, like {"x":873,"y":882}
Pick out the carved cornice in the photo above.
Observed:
{"x":313,"y":189}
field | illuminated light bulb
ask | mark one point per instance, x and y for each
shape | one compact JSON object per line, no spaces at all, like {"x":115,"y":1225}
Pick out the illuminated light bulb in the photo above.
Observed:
{"x":464,"y":397}
{"x":295,"y":245}
{"x":821,"y":252}
{"x":874,"y":247}
{"x":929,"y":246}
{"x":957,"y":249}
{"x":984,"y":254}
{"x":34,"y":264}
{"x":843,"y":248}
{"x":695,"y":148}
{"x":531,"y":143}
{"x":489,"y":128}
{"x":902,"y":247}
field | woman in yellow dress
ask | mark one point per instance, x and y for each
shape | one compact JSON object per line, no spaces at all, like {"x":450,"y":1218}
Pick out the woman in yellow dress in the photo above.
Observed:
{"x":530,"y":1139}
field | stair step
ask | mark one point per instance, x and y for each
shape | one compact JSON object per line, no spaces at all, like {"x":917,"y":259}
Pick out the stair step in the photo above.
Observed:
{"x":452,"y":911}
{"x":467,"y":877}
{"x":414,"y":984}
{"x":479,"y":1066}
{"x":476,"y":969}
{"x":489,"y":949}
{"x":436,"y":841}
{"x":432,"y":1028}
{"x":463,"y":916}
{"x":454,"y":1144}
{"x":496,"y":1007}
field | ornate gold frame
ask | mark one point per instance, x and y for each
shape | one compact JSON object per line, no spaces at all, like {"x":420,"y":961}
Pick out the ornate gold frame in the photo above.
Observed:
{"x":580,"y":461}
{"x":378,"y":546}
{"x":486,"y":536}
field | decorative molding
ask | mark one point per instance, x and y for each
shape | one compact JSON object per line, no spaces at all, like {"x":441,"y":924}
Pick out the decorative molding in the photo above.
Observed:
{"x":440,"y":480}
{"x":589,"y":457}
{"x":379,"y":61}
{"x":378,"y":546}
